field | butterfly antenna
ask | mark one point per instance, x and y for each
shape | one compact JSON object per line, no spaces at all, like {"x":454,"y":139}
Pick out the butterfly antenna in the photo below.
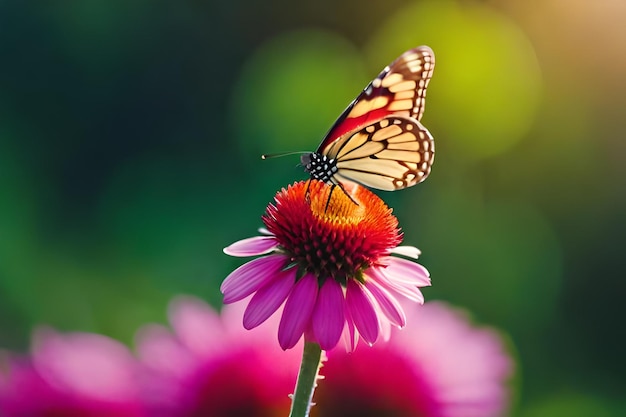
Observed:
{"x":330,"y":194}
{"x":278,"y":155}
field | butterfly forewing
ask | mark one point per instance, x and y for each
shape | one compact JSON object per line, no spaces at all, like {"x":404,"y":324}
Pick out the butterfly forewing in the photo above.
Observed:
{"x":378,"y":141}
{"x":393,"y":153}
{"x":399,"y":90}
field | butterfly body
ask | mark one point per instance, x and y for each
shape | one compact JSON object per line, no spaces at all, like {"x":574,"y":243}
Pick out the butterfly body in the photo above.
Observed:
{"x":321,"y":167}
{"x":378,"y":141}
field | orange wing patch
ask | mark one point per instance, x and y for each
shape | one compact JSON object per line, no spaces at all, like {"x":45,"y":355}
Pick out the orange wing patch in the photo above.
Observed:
{"x":365,"y":106}
{"x":400,"y":89}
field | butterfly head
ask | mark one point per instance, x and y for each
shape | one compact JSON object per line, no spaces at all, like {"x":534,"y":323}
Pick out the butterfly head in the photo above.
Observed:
{"x":305,"y":160}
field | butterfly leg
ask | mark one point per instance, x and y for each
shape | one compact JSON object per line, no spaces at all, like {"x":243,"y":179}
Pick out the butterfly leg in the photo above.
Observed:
{"x":330,"y":194}
{"x":345,"y":192}
{"x":333,"y":185}
{"x":307,"y":193}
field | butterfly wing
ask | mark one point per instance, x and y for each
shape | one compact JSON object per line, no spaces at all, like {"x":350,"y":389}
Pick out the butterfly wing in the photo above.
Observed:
{"x":399,"y":90}
{"x":393,"y":153}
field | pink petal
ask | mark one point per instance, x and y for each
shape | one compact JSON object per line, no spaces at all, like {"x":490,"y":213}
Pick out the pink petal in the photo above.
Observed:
{"x":350,"y":335}
{"x":264,"y":231}
{"x":267,"y":300}
{"x":252,"y":246}
{"x":159,"y":350}
{"x":409,"y":291}
{"x":385,"y":330}
{"x":87,"y":364}
{"x":250,"y":277}
{"x":361,"y":306}
{"x":405,"y":271}
{"x":408,"y":251}
{"x":329,"y":314}
{"x":197,"y":326}
{"x":387,"y":303}
{"x":297,"y":311}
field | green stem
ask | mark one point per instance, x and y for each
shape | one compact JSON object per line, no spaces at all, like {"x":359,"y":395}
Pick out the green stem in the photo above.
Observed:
{"x":305,"y":385}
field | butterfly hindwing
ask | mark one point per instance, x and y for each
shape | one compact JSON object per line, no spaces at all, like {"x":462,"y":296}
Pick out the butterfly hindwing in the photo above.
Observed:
{"x":393,"y":153}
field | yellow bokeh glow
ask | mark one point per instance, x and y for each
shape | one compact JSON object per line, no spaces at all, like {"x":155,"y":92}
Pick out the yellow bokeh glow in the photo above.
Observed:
{"x":486,"y":86}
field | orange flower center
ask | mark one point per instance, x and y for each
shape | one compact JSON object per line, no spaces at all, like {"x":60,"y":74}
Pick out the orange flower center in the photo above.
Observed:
{"x":329,"y":233}
{"x":337,"y":207}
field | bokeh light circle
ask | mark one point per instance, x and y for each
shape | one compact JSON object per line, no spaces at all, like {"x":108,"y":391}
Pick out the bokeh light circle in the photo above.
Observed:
{"x":291,"y":91}
{"x":487,"y":84}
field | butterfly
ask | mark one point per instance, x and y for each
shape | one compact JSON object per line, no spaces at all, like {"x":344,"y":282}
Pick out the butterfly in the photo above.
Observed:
{"x":378,"y":141}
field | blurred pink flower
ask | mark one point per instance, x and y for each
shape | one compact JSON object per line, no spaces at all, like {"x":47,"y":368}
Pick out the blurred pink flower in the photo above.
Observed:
{"x":439,"y":366}
{"x":328,"y":261}
{"x":210,"y":366}
{"x":76,"y":374}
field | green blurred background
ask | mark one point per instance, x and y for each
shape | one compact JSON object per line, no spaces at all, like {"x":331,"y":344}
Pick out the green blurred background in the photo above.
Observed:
{"x":130,"y":135}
